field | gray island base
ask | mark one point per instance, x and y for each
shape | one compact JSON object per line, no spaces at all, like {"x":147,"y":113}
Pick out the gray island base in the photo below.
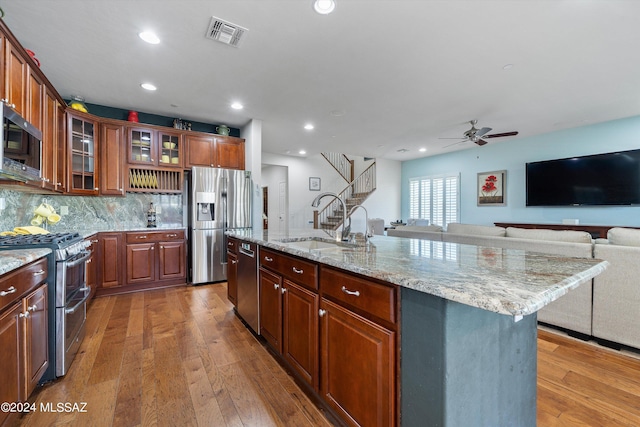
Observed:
{"x":464,"y":366}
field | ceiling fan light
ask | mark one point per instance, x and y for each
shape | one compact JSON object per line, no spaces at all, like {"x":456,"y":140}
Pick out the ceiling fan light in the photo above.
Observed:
{"x":324,"y":7}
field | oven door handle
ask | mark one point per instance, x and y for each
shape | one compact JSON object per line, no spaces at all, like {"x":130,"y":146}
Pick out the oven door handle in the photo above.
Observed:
{"x":87,"y":289}
{"x":85,"y":256}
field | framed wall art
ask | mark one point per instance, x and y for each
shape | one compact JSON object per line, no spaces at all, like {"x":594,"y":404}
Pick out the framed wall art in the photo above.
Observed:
{"x":314,"y":183}
{"x":492,"y":188}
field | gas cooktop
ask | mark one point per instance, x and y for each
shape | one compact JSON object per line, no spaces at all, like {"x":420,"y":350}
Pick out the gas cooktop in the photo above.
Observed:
{"x":52,"y":240}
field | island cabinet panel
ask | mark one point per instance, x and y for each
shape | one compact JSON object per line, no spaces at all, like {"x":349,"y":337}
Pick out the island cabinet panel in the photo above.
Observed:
{"x":289,"y":311}
{"x":232,"y":270}
{"x":271,"y":308}
{"x":358,"y":367}
{"x":300,"y":331}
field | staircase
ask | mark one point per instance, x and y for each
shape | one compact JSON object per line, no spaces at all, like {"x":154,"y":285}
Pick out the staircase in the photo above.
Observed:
{"x":356,"y":192}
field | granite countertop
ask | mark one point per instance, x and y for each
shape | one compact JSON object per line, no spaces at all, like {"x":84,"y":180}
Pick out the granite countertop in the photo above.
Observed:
{"x":506,"y":281}
{"x":13,"y":259}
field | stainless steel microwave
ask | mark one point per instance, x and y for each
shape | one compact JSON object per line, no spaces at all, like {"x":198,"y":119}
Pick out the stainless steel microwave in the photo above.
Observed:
{"x":21,"y":154}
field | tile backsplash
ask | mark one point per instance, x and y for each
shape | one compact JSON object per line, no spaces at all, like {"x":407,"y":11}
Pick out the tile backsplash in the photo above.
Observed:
{"x":93,"y":213}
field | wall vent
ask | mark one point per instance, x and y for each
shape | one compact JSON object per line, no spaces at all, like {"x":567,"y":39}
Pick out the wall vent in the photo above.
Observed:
{"x":225,"y":32}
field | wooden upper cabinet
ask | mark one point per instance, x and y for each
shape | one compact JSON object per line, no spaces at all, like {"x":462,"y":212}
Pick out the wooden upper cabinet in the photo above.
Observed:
{"x":16,"y":75}
{"x":214,"y":151}
{"x":35,"y":91}
{"x":61,"y":149}
{"x":112,"y":170}
{"x":49,"y":141}
{"x":82,"y":131}
{"x":199,"y":149}
{"x":229,"y":152}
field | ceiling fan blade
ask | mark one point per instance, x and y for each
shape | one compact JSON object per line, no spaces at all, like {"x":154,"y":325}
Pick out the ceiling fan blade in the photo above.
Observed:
{"x":455,"y":143}
{"x":499,"y":135}
{"x":480,"y":142}
{"x":454,"y":138}
{"x":482,"y":131}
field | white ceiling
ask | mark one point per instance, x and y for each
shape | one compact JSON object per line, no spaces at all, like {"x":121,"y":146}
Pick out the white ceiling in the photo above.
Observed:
{"x":403,"y":73}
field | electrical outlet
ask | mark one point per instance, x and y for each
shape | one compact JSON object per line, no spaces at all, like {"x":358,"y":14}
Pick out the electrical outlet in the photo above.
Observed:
{"x":64,"y":210}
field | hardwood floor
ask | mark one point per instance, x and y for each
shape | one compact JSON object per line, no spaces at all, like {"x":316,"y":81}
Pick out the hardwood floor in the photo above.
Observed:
{"x":180,"y":357}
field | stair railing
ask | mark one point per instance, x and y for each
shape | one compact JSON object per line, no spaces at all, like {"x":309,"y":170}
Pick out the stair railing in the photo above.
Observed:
{"x":359,"y":189}
{"x":341,"y":164}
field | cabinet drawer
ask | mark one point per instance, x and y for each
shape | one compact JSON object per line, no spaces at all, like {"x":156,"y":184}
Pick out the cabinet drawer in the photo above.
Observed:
{"x":232,"y":245}
{"x":374,"y":298}
{"x":155,"y":236}
{"x":17,"y":283}
{"x":299,"y":271}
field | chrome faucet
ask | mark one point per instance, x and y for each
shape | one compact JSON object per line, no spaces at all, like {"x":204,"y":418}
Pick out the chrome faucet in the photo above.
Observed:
{"x":346,"y":229}
{"x":367,"y":233}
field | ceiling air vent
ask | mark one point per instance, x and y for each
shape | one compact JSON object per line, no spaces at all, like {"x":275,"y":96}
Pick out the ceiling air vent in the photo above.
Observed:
{"x":225,"y":32}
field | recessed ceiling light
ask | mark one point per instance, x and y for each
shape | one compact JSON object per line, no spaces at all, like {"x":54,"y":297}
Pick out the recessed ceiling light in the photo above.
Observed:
{"x":148,"y":86}
{"x":324,"y":7}
{"x":149,"y":37}
{"x":302,"y":152}
{"x":308,"y":126}
{"x":422,"y":150}
{"x":237,"y":106}
{"x":402,"y":150}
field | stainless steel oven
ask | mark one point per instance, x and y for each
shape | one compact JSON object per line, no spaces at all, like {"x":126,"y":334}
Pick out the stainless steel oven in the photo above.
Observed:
{"x":72,"y":294}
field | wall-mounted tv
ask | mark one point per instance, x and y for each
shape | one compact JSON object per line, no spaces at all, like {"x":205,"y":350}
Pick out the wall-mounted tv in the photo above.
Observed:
{"x":601,"y":179}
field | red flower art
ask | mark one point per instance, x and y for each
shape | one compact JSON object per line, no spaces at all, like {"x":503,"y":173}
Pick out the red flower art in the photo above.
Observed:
{"x":489,"y":188}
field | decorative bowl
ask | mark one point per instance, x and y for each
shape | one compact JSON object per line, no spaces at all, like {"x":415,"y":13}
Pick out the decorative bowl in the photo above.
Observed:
{"x":169,"y":145}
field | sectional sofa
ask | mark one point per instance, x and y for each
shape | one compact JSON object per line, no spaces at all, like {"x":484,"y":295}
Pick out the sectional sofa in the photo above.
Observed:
{"x":607,"y":308}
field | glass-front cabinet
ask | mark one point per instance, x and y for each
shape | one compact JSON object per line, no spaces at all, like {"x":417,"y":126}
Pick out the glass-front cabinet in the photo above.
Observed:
{"x":151,"y":147}
{"x":170,"y":148}
{"x":83,"y":177}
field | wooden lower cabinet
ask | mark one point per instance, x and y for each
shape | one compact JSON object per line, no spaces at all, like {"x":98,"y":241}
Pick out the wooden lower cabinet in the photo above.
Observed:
{"x":92,"y":265}
{"x":289,"y":323}
{"x":358,"y":367}
{"x":172,"y":260}
{"x":111,"y":262}
{"x":141,"y":263}
{"x":24,"y":334}
{"x":232,"y":278}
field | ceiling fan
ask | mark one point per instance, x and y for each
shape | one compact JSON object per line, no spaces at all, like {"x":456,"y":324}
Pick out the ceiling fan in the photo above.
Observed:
{"x":478,"y":136}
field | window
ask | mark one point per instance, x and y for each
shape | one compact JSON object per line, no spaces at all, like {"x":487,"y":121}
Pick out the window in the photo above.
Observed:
{"x":434,"y":198}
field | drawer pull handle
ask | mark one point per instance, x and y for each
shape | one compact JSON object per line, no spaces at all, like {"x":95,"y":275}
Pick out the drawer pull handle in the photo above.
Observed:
{"x":295,"y":270}
{"x":348,"y":292}
{"x":94,"y":240}
{"x":322,"y":312}
{"x":276,"y":286}
{"x":233,"y":261}
{"x":266,"y":258}
{"x":283,"y":290}
{"x":39,"y":273}
{"x":24,"y":315}
{"x":34,"y":307}
{"x":11,"y":290}
{"x":141,"y":237}
{"x":172,"y":235}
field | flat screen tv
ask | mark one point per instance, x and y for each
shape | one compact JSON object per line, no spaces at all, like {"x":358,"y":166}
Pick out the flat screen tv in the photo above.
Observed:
{"x":601,"y":179}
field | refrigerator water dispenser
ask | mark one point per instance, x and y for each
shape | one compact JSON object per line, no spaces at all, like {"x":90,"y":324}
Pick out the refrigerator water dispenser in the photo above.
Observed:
{"x":205,"y":206}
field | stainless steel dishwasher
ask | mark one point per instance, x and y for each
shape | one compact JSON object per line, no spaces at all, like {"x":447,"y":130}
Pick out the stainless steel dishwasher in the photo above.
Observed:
{"x":248,"y":290}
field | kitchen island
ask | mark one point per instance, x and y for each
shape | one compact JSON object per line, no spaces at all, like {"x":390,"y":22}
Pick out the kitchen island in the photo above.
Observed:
{"x":466,"y":345}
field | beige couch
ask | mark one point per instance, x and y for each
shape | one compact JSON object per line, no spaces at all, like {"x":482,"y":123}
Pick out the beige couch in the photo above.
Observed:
{"x":574,"y":310}
{"x":616,"y":292}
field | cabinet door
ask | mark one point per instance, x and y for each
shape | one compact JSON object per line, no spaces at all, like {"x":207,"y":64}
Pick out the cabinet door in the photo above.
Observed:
{"x":232,"y":278}
{"x":92,"y":267}
{"x":172,"y":260}
{"x":357,"y":362}
{"x":170,"y":149}
{"x":300,"y":331}
{"x":16,"y":69}
{"x":141,"y":263}
{"x":112,"y":160}
{"x":49,"y":141}
{"x":271,"y":308}
{"x":36,"y":337}
{"x":142,"y":146}
{"x":61,"y":150}
{"x":10,"y":358}
{"x":199,"y":150}
{"x":35,"y":93}
{"x":229,"y":152}
{"x":110,"y":265}
{"x":83,"y":177}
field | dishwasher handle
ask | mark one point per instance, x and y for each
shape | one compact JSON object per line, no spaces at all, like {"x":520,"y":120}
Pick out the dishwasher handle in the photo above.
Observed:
{"x":245,"y":249}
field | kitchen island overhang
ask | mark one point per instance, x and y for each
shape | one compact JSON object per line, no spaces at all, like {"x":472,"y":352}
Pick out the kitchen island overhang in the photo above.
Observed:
{"x":468,"y":326}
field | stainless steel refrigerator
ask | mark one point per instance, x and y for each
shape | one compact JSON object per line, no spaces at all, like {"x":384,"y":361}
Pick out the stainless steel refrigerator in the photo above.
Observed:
{"x":219,"y":200}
